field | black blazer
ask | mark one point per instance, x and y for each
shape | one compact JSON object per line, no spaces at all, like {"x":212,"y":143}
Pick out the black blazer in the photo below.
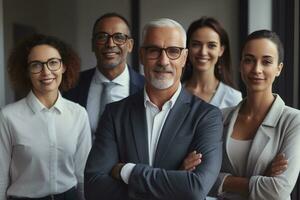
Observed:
{"x":121,"y":136}
{"x":79,"y":94}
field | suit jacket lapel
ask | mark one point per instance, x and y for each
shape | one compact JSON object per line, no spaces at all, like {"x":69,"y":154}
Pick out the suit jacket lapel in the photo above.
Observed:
{"x":229,"y":121}
{"x":84,"y":86}
{"x":172,"y":124}
{"x":136,"y":81}
{"x":259,"y":143}
{"x":139,"y":127}
{"x":264,"y":135}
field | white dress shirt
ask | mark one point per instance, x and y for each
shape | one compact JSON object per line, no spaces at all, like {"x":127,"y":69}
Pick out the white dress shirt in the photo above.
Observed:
{"x":155,"y":121}
{"x":42,"y":151}
{"x":119,"y":91}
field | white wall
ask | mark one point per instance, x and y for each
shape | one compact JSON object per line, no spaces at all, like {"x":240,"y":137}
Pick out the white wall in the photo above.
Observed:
{"x":2,"y":66}
{"x":260,"y":15}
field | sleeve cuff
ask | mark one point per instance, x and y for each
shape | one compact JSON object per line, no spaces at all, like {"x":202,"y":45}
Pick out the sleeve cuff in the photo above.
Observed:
{"x":126,"y":172}
{"x":220,"y":189}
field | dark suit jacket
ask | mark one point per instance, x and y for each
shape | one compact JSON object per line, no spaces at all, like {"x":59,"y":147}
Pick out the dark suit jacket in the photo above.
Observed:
{"x":79,"y":94}
{"x":121,"y":136}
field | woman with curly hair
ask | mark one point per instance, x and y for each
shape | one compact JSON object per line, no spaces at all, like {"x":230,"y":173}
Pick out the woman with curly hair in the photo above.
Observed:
{"x":45,"y":139}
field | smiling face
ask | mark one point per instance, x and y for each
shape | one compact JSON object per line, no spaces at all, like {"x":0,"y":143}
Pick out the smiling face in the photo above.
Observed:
{"x":110,"y":55}
{"x":163,"y":73}
{"x":259,"y":65}
{"x":205,"y":49}
{"x":45,"y":82}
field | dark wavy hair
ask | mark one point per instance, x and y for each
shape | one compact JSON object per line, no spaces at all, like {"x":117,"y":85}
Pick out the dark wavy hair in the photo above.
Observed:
{"x":18,"y":62}
{"x":223,"y":65}
{"x":270,"y":35}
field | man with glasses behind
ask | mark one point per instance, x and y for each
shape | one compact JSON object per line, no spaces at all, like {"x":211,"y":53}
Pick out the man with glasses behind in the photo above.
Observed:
{"x":143,"y":143}
{"x":112,"y":79}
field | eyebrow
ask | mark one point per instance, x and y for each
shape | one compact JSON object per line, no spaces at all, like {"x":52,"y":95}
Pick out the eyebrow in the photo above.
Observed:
{"x":150,"y":46}
{"x":267,"y":56}
{"x":251,"y":55}
{"x":32,"y":61}
{"x":214,"y":42}
{"x":248,"y":55}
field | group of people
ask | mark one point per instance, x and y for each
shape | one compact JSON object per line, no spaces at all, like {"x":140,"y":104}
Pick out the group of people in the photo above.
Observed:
{"x":111,"y":133}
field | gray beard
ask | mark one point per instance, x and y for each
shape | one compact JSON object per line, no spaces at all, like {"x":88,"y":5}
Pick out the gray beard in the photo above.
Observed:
{"x":162,"y":84}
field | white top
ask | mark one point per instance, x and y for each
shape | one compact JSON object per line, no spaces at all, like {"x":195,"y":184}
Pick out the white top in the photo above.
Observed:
{"x":119,"y":91}
{"x":155,"y":121}
{"x":226,"y":96}
{"x":239,"y":150}
{"x":42,"y":151}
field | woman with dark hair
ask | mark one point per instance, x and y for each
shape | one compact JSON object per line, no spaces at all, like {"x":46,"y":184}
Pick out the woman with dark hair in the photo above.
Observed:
{"x":207,"y":72}
{"x":261,"y":134}
{"x":45,"y":139}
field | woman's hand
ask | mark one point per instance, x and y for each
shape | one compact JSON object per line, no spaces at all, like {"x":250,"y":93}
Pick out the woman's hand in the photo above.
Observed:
{"x":192,"y":160}
{"x":278,"y":166}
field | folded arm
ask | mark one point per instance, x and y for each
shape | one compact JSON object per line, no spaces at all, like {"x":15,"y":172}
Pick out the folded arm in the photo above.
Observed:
{"x":158,"y":183}
{"x":146,"y":182}
{"x":240,"y":185}
{"x":280,"y":186}
{"x":98,"y":183}
{"x":278,"y":180}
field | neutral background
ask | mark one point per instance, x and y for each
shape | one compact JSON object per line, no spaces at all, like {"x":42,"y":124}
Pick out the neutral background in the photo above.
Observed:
{"x":72,"y":21}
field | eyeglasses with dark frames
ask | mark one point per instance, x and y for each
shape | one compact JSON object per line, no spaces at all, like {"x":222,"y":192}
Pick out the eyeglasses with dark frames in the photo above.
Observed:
{"x":53,"y":64}
{"x":153,"y":52}
{"x":118,"y":38}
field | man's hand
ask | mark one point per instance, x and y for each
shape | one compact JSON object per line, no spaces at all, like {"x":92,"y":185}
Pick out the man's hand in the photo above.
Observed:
{"x":278,"y":166}
{"x":192,"y":160}
{"x":116,"y":171}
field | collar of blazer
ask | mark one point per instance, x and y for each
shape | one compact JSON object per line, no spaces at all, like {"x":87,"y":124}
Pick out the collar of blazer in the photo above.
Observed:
{"x":271,"y":118}
{"x":262,"y":137}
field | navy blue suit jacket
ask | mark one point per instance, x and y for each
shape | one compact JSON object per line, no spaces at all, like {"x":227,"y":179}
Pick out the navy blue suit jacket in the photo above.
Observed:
{"x":192,"y":124}
{"x":79,"y":94}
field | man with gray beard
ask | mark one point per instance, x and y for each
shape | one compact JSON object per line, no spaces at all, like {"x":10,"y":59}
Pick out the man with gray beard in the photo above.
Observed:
{"x":112,"y":79}
{"x":143,"y":143}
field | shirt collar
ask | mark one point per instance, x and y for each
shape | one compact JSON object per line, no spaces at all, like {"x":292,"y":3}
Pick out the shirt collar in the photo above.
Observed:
{"x":122,"y":79}
{"x":36,"y":106}
{"x":168,"y":104}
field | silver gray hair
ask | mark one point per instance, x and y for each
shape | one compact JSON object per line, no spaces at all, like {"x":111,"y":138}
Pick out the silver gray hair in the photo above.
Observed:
{"x":164,"y":22}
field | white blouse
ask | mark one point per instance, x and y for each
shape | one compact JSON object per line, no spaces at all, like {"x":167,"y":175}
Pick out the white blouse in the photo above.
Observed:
{"x":42,"y":151}
{"x":238,"y":151}
{"x":226,"y":96}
